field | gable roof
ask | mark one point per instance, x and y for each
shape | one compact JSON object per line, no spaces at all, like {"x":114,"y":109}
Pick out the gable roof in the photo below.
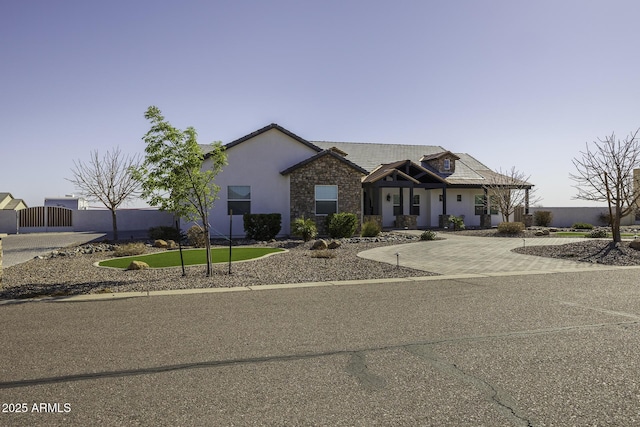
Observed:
{"x":469,"y":171}
{"x":328,"y":152}
{"x":389,"y":169}
{"x":434,"y":156}
{"x":268,"y":128}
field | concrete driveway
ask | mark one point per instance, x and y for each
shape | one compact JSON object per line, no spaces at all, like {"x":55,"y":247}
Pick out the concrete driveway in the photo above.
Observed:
{"x":458,"y":254}
{"x":18,"y":248}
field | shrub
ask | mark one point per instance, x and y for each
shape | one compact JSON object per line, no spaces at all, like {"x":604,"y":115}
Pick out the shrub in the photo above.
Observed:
{"x":582,"y":226}
{"x":341,"y":225}
{"x":598,"y":233}
{"x":604,"y":218}
{"x":304,"y":228}
{"x":510,"y":227}
{"x":196,"y":237}
{"x":370,"y":229}
{"x":457,"y":222}
{"x":262,"y":226}
{"x":542,"y":218}
{"x":428,"y":235}
{"x":130,"y":249}
{"x":164,"y":232}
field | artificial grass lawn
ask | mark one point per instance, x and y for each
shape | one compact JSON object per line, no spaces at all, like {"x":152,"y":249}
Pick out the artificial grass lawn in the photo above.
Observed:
{"x":190,"y":256}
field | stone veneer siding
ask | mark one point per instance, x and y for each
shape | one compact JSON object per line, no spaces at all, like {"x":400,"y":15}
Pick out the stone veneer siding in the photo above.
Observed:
{"x":326,"y":170}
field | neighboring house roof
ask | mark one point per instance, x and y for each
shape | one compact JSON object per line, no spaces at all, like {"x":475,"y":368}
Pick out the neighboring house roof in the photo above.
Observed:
{"x":15,"y":204}
{"x":328,"y":152}
{"x":7,"y":202}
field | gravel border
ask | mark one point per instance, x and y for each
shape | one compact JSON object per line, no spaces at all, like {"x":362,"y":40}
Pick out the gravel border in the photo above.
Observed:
{"x":71,"y":271}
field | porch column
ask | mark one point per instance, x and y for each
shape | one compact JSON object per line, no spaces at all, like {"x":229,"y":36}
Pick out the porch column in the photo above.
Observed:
{"x":444,"y":200}
{"x":411,"y":200}
{"x":526,"y":201}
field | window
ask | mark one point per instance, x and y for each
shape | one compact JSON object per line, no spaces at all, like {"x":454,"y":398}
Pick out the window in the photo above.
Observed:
{"x":459,"y":197}
{"x":239,"y":199}
{"x":415,"y":205}
{"x":396,"y":205}
{"x":447,"y":164}
{"x":479,"y":205}
{"x":493,"y":206}
{"x":481,"y":208}
{"x":326,"y":199}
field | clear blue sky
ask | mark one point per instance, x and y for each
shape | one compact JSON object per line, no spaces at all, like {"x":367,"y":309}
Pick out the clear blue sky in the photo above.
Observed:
{"x":513,"y":82}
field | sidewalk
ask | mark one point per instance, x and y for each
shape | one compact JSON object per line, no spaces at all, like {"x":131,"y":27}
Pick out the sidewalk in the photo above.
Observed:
{"x":458,"y":254}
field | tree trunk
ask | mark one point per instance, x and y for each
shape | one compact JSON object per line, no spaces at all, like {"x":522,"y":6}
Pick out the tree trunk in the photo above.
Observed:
{"x":615,"y":227}
{"x":114,"y":224}
{"x":207,"y":245}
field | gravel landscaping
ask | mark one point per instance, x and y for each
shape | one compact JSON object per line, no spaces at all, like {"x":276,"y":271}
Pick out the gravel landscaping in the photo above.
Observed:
{"x":72,"y":271}
{"x":601,"y":251}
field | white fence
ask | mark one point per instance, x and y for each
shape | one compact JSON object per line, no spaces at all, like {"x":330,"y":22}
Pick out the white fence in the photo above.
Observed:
{"x":565,"y":217}
{"x":131,"y":222}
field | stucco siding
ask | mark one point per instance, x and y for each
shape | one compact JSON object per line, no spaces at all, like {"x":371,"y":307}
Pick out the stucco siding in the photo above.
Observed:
{"x":257,"y":162}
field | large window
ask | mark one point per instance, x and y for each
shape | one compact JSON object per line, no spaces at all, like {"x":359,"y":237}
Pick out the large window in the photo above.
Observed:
{"x":239,"y":199}
{"x":480,"y":205}
{"x":326,"y":199}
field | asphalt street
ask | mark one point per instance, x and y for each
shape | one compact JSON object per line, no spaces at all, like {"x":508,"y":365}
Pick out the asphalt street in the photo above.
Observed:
{"x":557,"y":349}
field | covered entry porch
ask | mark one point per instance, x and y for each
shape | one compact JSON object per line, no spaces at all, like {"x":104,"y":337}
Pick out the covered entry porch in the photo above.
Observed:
{"x":404,"y":195}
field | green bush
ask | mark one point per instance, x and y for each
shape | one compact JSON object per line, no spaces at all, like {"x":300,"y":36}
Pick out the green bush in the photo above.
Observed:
{"x":304,"y":228}
{"x":600,"y":233}
{"x":342,"y":225}
{"x":130,"y":249}
{"x":370,"y":229}
{"x":196,"y":237}
{"x":604,"y":218}
{"x":428,"y":235}
{"x":542,"y":218}
{"x":164,"y":232}
{"x":582,"y":226}
{"x":510,"y":227}
{"x":457,"y":222}
{"x":262,"y":226}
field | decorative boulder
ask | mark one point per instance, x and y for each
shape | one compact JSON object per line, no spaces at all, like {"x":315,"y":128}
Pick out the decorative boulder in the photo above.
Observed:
{"x":171,"y":244}
{"x":159,"y":244}
{"x":542,"y":233}
{"x":319,"y":245}
{"x":635,"y":244}
{"x":334,"y":244}
{"x":138,"y":265}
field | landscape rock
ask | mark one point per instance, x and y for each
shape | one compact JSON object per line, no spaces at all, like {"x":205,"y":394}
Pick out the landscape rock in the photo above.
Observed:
{"x":171,"y":244}
{"x":334,"y":244}
{"x":319,"y":244}
{"x":160,"y":244}
{"x":138,"y":265}
{"x":635,"y":244}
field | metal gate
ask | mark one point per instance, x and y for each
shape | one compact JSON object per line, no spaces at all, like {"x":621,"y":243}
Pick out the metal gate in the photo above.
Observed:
{"x":44,"y":217}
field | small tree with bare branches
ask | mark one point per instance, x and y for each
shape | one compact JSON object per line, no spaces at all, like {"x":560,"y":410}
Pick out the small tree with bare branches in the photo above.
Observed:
{"x":507,"y":190}
{"x":605,"y":174}
{"x":107,"y":179}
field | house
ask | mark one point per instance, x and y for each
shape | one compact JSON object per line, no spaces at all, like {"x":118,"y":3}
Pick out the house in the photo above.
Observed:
{"x":69,"y":201}
{"x":7,"y":202}
{"x":273,"y":170}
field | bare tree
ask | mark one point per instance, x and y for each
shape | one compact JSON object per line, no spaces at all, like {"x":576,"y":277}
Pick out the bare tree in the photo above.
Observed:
{"x":605,"y":174}
{"x":108,"y":180}
{"x":508,"y":190}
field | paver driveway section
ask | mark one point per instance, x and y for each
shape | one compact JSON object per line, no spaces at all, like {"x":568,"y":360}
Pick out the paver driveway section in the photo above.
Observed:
{"x":18,"y":248}
{"x":458,"y":254}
